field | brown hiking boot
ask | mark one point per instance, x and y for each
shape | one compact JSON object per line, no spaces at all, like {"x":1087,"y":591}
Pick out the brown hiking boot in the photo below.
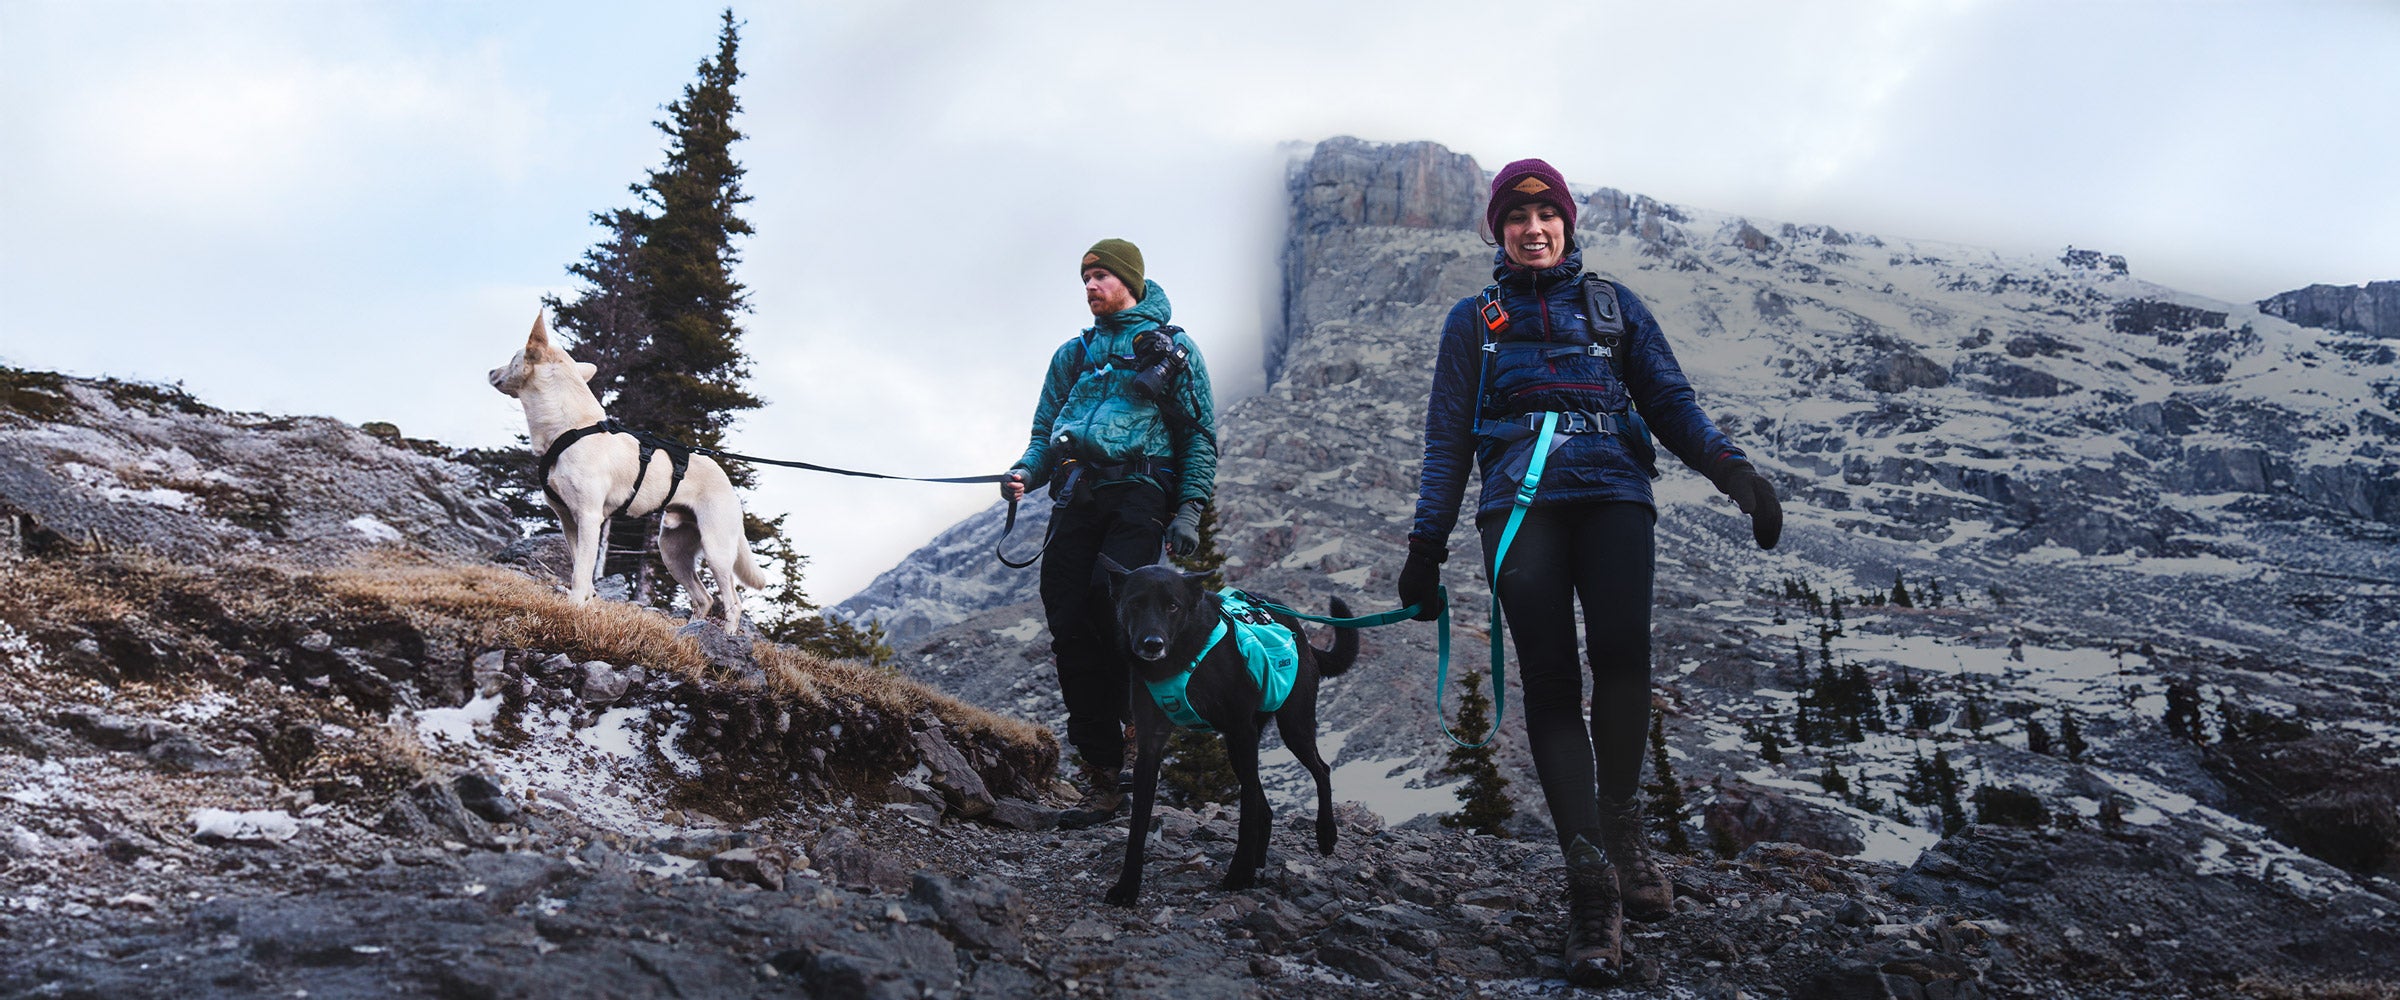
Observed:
{"x":1595,"y":952}
{"x":1103,"y":799}
{"x":1648,"y":896}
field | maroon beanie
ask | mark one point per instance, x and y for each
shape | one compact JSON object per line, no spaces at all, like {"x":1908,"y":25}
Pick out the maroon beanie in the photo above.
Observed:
{"x":1524,"y":182}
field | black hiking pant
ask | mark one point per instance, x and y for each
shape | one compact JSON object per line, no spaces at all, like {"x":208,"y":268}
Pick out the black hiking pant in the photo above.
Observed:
{"x":1126,"y":521}
{"x":1599,"y":555}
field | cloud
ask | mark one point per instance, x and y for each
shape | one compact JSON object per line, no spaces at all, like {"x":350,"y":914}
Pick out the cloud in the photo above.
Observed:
{"x":208,"y":123}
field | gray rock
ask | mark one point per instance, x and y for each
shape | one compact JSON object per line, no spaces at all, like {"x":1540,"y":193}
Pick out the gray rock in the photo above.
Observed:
{"x":2372,"y":308}
{"x":601,"y":683}
{"x":484,"y":797}
{"x":749,"y":865}
{"x":1022,"y":815}
{"x":962,"y":790}
{"x":985,"y":914}
{"x":849,"y":861}
{"x":180,"y":754}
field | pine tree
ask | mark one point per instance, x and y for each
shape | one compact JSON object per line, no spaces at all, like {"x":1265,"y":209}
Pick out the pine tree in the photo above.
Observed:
{"x":1935,"y":597}
{"x":1484,"y":798}
{"x":794,"y":620}
{"x":1197,"y":769}
{"x":1770,"y":749}
{"x":1832,"y":781}
{"x":1666,"y":794}
{"x":1207,"y":558}
{"x":657,"y":313}
{"x":2070,"y":735}
{"x":2183,"y":711}
{"x":2037,"y":736}
{"x":1900,"y":592}
{"x":1947,"y":786}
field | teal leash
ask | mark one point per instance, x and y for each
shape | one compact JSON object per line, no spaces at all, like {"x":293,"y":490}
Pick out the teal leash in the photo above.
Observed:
{"x":1508,"y":535}
{"x":1441,"y":678}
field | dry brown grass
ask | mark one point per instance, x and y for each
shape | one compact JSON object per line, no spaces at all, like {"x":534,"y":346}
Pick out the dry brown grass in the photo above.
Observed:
{"x":492,"y":606}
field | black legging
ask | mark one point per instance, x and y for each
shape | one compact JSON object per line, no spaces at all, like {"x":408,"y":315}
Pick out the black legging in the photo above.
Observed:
{"x":1600,"y":553}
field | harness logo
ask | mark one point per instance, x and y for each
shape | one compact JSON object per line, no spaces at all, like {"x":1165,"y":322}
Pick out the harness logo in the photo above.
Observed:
{"x":1530,"y":185}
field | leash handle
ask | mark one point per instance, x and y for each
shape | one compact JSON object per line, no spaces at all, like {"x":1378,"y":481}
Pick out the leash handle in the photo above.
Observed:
{"x":1011,"y":525}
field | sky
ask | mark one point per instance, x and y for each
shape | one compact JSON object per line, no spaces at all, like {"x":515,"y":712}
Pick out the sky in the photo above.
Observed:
{"x":353,"y":208}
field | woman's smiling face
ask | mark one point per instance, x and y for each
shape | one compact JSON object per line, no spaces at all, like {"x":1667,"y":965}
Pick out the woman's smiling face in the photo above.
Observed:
{"x":1534,"y":235}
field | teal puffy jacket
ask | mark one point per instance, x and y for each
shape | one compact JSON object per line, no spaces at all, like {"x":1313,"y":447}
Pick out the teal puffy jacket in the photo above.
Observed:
{"x":1088,"y":399}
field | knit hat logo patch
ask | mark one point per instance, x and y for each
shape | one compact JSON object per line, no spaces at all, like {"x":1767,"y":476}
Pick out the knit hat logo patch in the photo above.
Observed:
{"x":1090,"y":259}
{"x":1530,"y":185}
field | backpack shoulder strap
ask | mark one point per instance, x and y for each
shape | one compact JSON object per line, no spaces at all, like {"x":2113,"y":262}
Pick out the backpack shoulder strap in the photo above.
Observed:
{"x":1607,"y":319}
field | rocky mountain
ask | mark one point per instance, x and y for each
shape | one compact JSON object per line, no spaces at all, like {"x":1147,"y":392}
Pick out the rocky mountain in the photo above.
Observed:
{"x":2070,"y":679}
{"x":2372,"y":308}
{"x":2108,"y":500}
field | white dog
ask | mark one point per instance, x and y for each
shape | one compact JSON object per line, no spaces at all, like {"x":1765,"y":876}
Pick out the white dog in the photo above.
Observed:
{"x":598,"y":472}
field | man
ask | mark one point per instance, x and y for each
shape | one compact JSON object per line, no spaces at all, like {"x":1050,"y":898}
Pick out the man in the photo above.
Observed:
{"x":1126,"y":434}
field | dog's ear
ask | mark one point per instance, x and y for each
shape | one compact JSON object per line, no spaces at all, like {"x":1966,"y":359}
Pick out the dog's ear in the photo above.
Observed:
{"x":537,"y":344}
{"x":584,"y":370}
{"x":1116,"y":573}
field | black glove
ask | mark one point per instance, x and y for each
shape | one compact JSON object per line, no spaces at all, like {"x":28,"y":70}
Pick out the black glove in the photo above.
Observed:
{"x":1752,"y":492}
{"x":1183,"y":533}
{"x":1421,"y":579}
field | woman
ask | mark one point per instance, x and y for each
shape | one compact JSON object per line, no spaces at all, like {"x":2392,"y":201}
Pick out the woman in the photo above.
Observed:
{"x":1587,"y":360}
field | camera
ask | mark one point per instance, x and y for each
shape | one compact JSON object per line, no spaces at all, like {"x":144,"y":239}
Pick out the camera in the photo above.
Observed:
{"x":1163,"y":361}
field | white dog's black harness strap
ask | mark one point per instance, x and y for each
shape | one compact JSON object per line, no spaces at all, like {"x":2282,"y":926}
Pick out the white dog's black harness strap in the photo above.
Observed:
{"x":678,"y":455}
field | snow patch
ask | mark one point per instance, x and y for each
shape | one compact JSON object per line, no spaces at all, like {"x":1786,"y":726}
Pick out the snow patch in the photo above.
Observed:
{"x":263,"y":824}
{"x":376,"y":531}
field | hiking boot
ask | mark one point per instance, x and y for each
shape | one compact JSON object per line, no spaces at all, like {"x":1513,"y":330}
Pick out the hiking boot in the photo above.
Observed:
{"x":1648,"y":896}
{"x":1595,"y":952}
{"x":1103,"y":799}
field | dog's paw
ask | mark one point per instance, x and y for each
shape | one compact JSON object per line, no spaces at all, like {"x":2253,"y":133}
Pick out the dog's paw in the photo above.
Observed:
{"x":1123,"y":893}
{"x":1238,"y":880}
{"x":1326,"y":834}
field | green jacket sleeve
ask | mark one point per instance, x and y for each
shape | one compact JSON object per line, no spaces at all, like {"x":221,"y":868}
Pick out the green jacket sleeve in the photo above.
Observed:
{"x":1196,"y":446}
{"x":1061,"y":377}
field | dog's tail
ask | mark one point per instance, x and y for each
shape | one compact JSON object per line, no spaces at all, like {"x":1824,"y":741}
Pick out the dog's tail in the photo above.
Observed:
{"x":1333,"y":662}
{"x":748,"y":571}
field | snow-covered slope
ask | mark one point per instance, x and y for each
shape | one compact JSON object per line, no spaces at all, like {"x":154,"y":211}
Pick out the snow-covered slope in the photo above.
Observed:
{"x":2116,"y":486}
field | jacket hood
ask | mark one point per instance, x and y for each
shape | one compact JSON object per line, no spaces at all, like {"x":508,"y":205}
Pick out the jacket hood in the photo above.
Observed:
{"x":1152,"y":310}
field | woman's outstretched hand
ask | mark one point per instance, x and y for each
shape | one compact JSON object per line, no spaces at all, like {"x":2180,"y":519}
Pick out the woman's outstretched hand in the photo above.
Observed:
{"x":1752,"y":492}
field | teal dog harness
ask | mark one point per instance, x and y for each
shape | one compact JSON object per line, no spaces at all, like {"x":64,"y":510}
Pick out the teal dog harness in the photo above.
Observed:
{"x":1271,"y":651}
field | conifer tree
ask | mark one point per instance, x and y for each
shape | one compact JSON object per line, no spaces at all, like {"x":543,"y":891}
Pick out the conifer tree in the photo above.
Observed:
{"x":1947,"y":786}
{"x":1900,"y":596}
{"x":1197,"y":769}
{"x":2037,"y":736}
{"x":2183,"y":711}
{"x":1770,"y":749}
{"x":1666,"y":794}
{"x":1483,"y":800}
{"x":2070,"y":735}
{"x":1832,"y":781}
{"x":1207,"y":558}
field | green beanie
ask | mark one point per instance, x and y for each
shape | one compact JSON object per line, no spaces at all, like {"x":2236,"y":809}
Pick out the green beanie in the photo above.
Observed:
{"x":1117,"y":257}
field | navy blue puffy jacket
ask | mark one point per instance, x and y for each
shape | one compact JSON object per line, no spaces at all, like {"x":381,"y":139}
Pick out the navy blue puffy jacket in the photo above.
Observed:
{"x":1549,"y":305}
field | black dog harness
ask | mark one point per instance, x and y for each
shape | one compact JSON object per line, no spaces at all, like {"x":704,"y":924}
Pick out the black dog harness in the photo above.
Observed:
{"x":677,"y":454}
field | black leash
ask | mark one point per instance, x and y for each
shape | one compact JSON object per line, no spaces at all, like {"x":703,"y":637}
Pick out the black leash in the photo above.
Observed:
{"x":1010,"y":526}
{"x":736,"y":456}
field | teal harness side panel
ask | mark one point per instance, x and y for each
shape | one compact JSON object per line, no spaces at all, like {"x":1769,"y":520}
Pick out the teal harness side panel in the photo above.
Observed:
{"x":1271,"y":651}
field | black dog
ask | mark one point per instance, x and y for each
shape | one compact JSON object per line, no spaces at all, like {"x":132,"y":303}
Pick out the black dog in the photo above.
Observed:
{"x":1164,"y":618}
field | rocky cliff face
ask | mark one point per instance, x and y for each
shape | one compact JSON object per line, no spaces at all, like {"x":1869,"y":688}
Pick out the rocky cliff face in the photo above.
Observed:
{"x":2372,"y":308}
{"x":2119,"y":489}
{"x":141,"y":465}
